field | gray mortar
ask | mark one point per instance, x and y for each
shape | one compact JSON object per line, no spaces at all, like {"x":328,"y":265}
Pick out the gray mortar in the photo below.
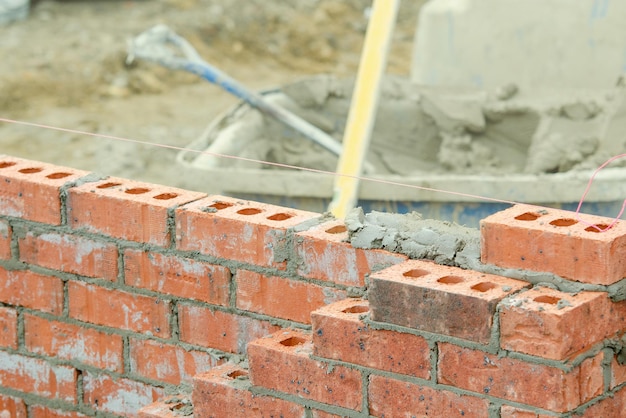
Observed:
{"x":431,"y":129}
{"x":454,"y":245}
{"x":180,"y":405}
{"x":449,"y":244}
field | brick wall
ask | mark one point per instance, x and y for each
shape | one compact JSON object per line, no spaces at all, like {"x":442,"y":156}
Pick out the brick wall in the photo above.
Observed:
{"x":121,"y":298}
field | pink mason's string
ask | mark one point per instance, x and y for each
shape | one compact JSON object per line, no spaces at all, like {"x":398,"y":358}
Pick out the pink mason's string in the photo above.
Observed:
{"x":584,"y":196}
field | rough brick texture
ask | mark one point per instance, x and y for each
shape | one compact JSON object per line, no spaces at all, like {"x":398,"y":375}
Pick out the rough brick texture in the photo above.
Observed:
{"x":125,"y":209}
{"x":183,"y":277}
{"x":72,"y":254}
{"x":31,"y":290}
{"x":170,"y":407}
{"x":33,"y":375}
{"x":325,"y":255}
{"x":237,"y":230}
{"x":282,"y":362}
{"x":118,"y":396}
{"x":339,"y":333}
{"x":116,"y":293}
{"x":8,"y":328}
{"x":168,"y":363}
{"x":118,"y":309}
{"x":434,"y":298}
{"x":32,"y":190}
{"x":45,"y":412}
{"x":512,"y":412}
{"x":516,"y":380}
{"x":72,"y":342}
{"x":556,"y":241}
{"x":389,"y":397}
{"x":224,"y":393}
{"x":552,"y":324}
{"x":272,"y":295}
{"x":15,"y":407}
{"x":221,"y":330}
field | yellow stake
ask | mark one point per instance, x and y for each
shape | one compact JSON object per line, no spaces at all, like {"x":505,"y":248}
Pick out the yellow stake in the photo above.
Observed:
{"x":362,"y":114}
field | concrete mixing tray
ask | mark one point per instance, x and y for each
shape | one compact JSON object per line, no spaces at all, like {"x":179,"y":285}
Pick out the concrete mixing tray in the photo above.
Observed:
{"x":428,"y":125}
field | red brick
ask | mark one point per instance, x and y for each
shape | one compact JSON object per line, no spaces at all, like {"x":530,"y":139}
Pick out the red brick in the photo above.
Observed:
{"x":72,"y":342}
{"x":339,"y":333}
{"x":610,"y":407}
{"x":70,"y":253}
{"x":177,"y":276}
{"x":556,"y":241}
{"x":44,"y":412}
{"x":126,"y":209}
{"x":618,"y":373}
{"x":233,"y":229}
{"x":512,"y":379}
{"x":170,"y":407}
{"x":31,"y":190}
{"x":36,"y":376}
{"x":220,"y":330}
{"x":282,"y":362}
{"x":119,"y":309}
{"x":5,"y":239}
{"x":512,"y":412}
{"x":224,"y":393}
{"x":390,"y":398}
{"x":548,"y":323}
{"x":31,"y":290}
{"x":325,"y":254}
{"x":434,"y":298}
{"x":118,"y":396}
{"x":14,"y":406}
{"x":282,"y":297}
{"x":168,"y":363}
{"x":8,"y":327}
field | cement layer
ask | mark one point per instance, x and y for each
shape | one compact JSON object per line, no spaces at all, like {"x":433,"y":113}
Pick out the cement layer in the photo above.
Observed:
{"x":449,"y":244}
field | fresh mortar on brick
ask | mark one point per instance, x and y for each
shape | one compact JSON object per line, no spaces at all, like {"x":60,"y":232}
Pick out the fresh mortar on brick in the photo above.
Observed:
{"x":165,"y":316}
{"x":450,"y":244}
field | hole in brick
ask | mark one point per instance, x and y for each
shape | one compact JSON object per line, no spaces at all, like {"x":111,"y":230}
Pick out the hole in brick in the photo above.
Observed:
{"x":598,"y":228}
{"x":356,"y":309}
{"x":108,"y":185}
{"x":528,"y":216}
{"x":279,"y":217}
{"x":563,"y":222}
{"x":292,"y":341}
{"x":337,"y":229}
{"x":166,"y":196}
{"x":5,"y":164}
{"x":450,"y":280}
{"x":55,"y":176}
{"x":220,"y":205}
{"x":547,"y":299}
{"x":237,"y":373}
{"x":415,"y":273}
{"x":178,"y":406}
{"x":30,"y":170}
{"x":484,"y":286}
{"x":137,"y":190}
{"x":249,"y":211}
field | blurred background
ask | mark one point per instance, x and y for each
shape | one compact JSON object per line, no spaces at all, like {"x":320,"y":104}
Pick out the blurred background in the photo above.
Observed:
{"x":65,"y":66}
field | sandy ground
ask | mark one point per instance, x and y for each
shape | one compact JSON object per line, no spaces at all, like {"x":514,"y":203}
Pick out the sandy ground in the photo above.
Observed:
{"x":65,"y":66}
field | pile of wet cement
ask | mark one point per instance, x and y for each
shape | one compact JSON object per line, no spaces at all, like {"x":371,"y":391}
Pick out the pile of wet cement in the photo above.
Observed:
{"x":422,"y":129}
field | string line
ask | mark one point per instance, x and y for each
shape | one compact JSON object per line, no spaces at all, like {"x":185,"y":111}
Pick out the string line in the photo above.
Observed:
{"x":252,"y":160}
{"x":332,"y":173}
{"x":602,"y":228}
